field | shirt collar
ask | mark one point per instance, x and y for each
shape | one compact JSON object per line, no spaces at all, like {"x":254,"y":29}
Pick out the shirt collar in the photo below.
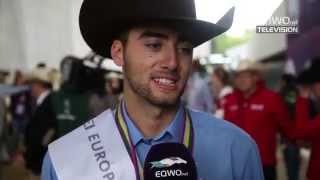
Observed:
{"x":174,"y":130}
{"x":41,"y":98}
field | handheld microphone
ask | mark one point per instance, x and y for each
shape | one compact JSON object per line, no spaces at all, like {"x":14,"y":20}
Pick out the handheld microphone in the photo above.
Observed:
{"x":169,"y":161}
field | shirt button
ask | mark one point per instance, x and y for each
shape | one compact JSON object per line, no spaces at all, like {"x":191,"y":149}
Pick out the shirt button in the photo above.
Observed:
{"x":148,"y":141}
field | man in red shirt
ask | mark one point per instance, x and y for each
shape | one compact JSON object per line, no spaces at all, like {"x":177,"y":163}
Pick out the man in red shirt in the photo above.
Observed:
{"x":309,"y":128}
{"x":258,"y":111}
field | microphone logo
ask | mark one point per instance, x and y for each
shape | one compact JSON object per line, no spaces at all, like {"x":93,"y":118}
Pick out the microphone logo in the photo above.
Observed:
{"x":167,"y":162}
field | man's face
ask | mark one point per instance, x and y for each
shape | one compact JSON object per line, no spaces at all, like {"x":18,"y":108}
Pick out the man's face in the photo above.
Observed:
{"x":216,"y":84}
{"x":156,"y":64}
{"x":36,"y":89}
{"x":245,"y":81}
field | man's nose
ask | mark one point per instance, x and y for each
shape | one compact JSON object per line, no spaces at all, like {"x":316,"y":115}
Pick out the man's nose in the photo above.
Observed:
{"x":171,"y":60}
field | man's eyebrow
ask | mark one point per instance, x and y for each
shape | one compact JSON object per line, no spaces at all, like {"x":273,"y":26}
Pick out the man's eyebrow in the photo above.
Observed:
{"x":184,"y":40}
{"x":149,"y":33}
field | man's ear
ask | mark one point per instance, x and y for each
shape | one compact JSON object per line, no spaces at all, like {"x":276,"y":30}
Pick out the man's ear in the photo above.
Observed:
{"x":117,"y":52}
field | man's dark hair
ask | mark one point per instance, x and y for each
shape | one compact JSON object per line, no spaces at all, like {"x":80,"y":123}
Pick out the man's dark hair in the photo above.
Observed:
{"x":123,"y":36}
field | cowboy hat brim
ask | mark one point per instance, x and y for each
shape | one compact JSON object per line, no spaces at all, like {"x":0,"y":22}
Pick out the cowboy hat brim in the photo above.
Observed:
{"x":99,"y":29}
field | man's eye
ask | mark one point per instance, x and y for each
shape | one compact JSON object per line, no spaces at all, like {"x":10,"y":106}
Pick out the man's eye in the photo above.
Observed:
{"x":154,"y":46}
{"x":185,"y":50}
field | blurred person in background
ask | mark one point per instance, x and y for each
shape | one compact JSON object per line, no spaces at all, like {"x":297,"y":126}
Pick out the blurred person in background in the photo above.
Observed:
{"x":259,"y":111}
{"x":41,"y":128}
{"x":198,"y":93}
{"x":308,"y":126}
{"x":2,"y":125}
{"x":109,"y":97}
{"x":20,"y":109}
{"x":288,"y":91}
{"x":4,"y":150}
{"x":70,"y":102}
{"x":13,"y":123}
{"x":55,"y":79}
{"x":2,"y":121}
{"x":220,"y":85}
{"x":304,"y":81}
{"x":114,"y":84}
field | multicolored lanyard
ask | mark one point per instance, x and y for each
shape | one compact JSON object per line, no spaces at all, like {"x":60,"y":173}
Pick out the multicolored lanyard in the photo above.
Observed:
{"x":187,"y":138}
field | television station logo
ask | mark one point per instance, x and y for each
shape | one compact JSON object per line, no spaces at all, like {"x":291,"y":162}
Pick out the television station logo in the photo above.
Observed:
{"x":166,"y":163}
{"x":279,"y":25}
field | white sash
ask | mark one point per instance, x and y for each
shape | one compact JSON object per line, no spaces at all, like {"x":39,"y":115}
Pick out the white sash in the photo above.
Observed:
{"x":93,"y":151}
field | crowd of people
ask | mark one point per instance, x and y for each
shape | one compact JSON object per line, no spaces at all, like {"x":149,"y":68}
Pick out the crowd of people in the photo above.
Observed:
{"x":50,"y":105}
{"x":288,"y":110}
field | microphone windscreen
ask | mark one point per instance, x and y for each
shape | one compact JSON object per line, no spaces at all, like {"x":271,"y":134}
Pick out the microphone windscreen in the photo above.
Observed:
{"x":169,"y":161}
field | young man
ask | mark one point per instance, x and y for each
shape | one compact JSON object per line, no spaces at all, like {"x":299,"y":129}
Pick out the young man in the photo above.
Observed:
{"x":153,"y":41}
{"x":258,"y":111}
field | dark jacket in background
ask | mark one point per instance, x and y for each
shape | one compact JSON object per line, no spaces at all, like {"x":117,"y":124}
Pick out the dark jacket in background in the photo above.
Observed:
{"x":41,"y":121}
{"x":20,"y":99}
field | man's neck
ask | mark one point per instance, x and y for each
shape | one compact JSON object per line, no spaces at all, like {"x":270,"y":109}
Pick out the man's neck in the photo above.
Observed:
{"x":151,"y":120}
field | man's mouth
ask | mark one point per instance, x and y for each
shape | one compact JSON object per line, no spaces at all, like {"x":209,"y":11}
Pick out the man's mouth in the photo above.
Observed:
{"x":164,"y":83}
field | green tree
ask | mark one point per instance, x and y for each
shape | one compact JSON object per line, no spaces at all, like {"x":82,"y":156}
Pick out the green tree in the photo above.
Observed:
{"x":224,"y":42}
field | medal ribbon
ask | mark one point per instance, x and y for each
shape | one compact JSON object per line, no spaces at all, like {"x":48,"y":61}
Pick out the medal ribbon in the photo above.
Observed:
{"x":187,"y":138}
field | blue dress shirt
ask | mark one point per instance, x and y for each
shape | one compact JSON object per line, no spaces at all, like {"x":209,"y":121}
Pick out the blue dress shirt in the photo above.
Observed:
{"x":222,"y":151}
{"x":173,"y":133}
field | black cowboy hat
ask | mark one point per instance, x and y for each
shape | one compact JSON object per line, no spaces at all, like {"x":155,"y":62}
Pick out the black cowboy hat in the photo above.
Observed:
{"x":103,"y":20}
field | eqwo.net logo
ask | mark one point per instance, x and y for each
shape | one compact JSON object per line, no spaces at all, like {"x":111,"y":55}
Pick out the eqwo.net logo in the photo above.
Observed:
{"x":167,"y":162}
